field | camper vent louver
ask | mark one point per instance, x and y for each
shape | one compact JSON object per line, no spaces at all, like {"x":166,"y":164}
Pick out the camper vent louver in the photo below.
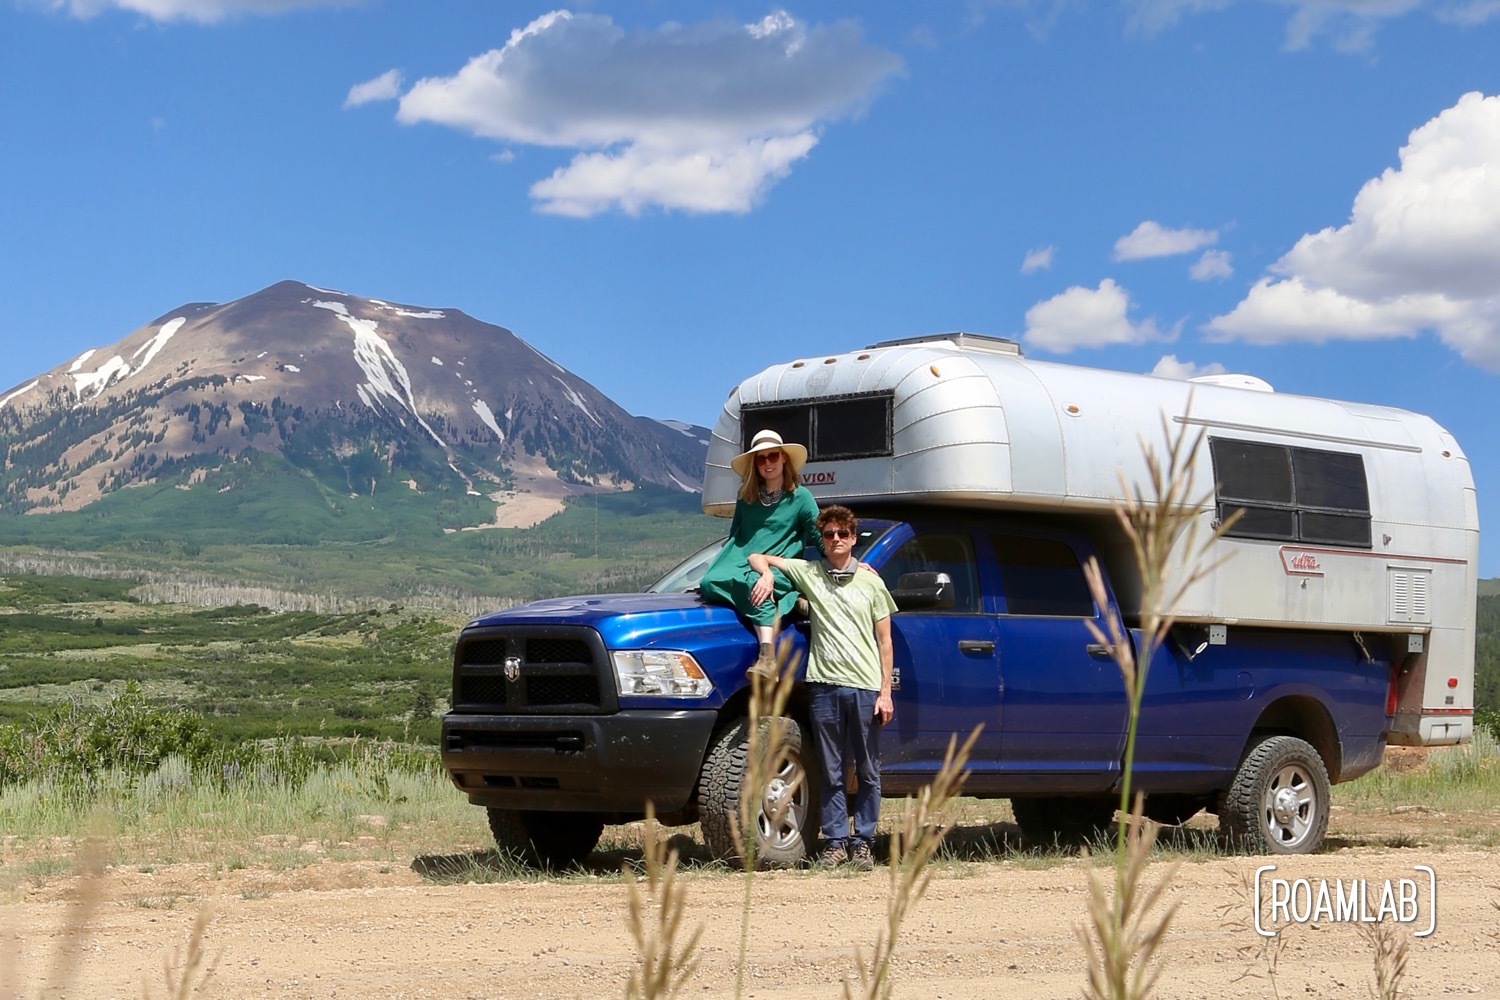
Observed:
{"x":1409,"y":595}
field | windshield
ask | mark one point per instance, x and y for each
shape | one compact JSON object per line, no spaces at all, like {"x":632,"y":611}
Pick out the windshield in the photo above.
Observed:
{"x":683,"y":578}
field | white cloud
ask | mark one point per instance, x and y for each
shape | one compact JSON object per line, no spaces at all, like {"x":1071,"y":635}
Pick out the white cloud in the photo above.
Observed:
{"x":1152,"y":239}
{"x":1039,"y":259}
{"x":1350,"y":25}
{"x":201,"y":11}
{"x":1170,"y":367}
{"x":1084,"y":317}
{"x":699,"y":117}
{"x":1421,"y":251}
{"x":385,"y":87}
{"x":1213,"y":264}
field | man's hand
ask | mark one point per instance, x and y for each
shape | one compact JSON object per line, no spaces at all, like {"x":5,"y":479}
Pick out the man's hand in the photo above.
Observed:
{"x":764,"y":587}
{"x":884,"y":707}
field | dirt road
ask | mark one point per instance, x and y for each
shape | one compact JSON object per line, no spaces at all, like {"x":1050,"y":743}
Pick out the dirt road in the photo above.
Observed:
{"x":361,"y":929}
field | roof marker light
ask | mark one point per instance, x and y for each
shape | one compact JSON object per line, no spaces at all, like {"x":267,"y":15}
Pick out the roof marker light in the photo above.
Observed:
{"x":934,"y":370}
{"x":1453,"y":682}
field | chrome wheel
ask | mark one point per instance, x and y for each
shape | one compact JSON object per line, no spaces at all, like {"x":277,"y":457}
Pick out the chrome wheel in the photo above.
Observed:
{"x":784,"y":806}
{"x":1290,"y":807}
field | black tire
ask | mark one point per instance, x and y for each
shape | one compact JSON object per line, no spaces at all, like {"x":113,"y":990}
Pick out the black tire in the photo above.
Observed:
{"x":786,"y":822}
{"x":545,"y":839}
{"x":1279,"y":800}
{"x":1173,"y":810}
{"x":1063,"y":821}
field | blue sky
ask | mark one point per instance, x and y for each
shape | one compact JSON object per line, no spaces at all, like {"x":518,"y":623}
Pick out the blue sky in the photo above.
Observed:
{"x":665,"y":197}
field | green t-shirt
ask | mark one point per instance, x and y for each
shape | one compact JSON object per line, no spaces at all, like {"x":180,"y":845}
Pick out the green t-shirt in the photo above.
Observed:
{"x":843,"y":649}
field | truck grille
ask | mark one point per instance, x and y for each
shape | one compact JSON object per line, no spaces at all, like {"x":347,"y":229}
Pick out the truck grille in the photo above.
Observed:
{"x":543,"y":669}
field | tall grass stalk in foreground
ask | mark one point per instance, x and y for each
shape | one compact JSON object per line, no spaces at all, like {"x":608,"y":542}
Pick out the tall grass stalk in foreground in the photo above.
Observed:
{"x":765,"y":755}
{"x":922,"y":830}
{"x":186,"y":974}
{"x":189,"y":970}
{"x":655,"y":918}
{"x":1259,"y":951}
{"x":1390,"y":945}
{"x":1161,"y":521}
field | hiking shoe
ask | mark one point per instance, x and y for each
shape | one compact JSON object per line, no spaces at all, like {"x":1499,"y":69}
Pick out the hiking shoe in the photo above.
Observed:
{"x":765,"y":666}
{"x":833,"y":855}
{"x":862,"y":858}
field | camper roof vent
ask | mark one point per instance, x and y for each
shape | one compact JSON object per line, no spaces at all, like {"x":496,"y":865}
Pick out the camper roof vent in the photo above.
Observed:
{"x":963,"y":341}
{"x":1235,"y":381}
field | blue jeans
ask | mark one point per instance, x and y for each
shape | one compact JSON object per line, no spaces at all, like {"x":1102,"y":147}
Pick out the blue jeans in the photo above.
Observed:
{"x":846,"y":733}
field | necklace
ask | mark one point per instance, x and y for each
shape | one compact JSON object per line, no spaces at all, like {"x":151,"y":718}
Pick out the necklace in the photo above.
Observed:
{"x":770,"y":497}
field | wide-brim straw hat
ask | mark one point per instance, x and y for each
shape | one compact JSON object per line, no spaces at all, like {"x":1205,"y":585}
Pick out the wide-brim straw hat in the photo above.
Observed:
{"x":768,"y":441}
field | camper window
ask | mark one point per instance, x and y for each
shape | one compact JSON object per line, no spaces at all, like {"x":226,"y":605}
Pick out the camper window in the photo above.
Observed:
{"x":1292,"y":494}
{"x":831,"y":427}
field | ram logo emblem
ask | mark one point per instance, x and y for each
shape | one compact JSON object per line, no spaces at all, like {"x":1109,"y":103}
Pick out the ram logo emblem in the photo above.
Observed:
{"x":512,"y":668}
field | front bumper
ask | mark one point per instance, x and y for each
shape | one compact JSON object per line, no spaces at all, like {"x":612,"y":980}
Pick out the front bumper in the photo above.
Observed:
{"x":611,"y":764}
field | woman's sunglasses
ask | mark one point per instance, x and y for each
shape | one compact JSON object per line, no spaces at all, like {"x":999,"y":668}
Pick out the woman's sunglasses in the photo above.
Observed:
{"x":768,"y":456}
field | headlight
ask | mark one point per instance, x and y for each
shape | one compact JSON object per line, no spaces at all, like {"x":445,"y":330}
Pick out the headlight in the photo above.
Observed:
{"x":662,"y":672}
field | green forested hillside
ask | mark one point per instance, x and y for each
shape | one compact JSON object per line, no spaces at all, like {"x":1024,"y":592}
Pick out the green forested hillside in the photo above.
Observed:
{"x":1487,"y":653}
{"x":262,"y":522}
{"x":251,"y":673}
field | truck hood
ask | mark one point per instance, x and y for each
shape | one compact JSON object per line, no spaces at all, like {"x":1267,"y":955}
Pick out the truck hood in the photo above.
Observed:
{"x":626,"y":620}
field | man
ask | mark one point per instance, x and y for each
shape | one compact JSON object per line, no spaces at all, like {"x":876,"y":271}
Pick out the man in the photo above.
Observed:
{"x":848,"y":678}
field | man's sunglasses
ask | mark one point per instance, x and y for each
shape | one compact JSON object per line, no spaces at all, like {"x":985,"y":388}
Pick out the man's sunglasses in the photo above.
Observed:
{"x":833,"y":533}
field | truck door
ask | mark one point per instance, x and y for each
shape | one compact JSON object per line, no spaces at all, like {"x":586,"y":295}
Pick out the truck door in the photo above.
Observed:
{"x":1065,"y":705}
{"x":946,"y":677}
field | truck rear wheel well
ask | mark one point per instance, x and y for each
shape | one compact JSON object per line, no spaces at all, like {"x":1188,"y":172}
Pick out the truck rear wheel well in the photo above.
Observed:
{"x":1306,"y":719}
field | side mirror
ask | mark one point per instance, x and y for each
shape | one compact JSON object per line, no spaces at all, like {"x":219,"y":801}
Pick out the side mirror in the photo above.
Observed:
{"x":923,"y":590}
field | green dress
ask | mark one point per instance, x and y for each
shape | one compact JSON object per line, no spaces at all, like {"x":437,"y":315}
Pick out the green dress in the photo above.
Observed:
{"x":784,"y":528}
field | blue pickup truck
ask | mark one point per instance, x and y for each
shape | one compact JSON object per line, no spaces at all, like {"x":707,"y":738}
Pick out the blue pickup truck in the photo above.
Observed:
{"x":572,"y":713}
{"x":1336,"y":614}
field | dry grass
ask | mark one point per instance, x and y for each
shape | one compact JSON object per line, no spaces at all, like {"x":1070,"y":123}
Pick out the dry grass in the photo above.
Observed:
{"x":912,"y":849}
{"x":655,"y":918}
{"x":186,"y":972}
{"x":1126,"y":925}
{"x":1160,"y":519}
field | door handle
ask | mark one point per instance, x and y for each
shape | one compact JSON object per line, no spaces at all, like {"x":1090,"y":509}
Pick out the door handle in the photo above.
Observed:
{"x":976,"y":646}
{"x":1100,"y":651}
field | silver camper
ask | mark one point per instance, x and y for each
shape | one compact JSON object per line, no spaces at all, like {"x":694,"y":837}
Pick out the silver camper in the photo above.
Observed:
{"x":1356,"y":518}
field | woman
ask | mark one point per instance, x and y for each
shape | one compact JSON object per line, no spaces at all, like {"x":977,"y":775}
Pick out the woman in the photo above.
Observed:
{"x":773,"y":515}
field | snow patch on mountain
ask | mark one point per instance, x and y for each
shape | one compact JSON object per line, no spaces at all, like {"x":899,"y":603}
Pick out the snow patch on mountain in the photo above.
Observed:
{"x":115,"y":368}
{"x":156,"y":343}
{"x":78,"y":362}
{"x":379,"y":363}
{"x":20,"y":391}
{"x":578,"y":401}
{"x":544,"y":357}
{"x":488,"y":416}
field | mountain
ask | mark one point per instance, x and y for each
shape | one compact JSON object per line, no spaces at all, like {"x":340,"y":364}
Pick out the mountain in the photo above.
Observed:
{"x":361,"y":396}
